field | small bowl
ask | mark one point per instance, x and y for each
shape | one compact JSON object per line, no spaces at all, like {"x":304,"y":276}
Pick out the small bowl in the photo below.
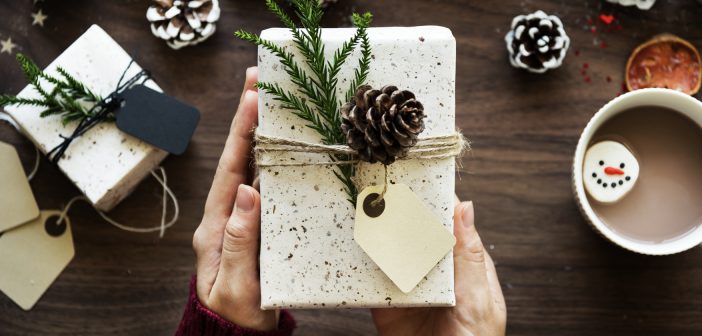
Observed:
{"x":671,"y":99}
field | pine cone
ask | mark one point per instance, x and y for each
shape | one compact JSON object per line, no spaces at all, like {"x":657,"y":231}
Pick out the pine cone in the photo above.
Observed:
{"x":537,"y":42}
{"x":641,"y":4}
{"x":183,"y":22}
{"x":382,"y":125}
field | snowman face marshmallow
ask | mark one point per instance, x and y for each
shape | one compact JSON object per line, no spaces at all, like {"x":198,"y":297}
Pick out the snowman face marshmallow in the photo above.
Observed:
{"x":610,"y":171}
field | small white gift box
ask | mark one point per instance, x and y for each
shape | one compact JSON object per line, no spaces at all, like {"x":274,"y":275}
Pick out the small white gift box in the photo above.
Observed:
{"x":104,"y":163}
{"x":309,"y":258}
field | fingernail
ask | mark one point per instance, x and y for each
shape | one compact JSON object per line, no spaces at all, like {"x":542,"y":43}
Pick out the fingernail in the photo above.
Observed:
{"x":244,"y":199}
{"x":249,"y":71}
{"x":466,"y":216}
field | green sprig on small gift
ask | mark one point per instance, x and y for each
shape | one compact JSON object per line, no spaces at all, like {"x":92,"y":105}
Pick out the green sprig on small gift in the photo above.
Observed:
{"x":69,"y":98}
{"x":315,"y":100}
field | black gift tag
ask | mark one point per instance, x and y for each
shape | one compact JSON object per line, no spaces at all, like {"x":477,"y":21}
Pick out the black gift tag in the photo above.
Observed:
{"x":157,"y":119}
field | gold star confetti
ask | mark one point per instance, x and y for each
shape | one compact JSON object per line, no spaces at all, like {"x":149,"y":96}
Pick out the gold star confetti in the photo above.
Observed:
{"x":7,"y":46}
{"x":39,"y":18}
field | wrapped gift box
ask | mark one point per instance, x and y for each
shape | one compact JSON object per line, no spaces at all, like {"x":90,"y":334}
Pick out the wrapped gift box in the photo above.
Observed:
{"x":105,"y":163}
{"x":308,"y":256}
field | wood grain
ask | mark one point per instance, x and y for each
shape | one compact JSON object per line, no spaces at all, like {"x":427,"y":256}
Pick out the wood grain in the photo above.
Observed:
{"x":558,"y":276}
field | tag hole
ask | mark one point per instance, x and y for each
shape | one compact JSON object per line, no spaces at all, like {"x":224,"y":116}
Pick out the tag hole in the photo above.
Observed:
{"x":369,"y":209}
{"x":53,"y":228}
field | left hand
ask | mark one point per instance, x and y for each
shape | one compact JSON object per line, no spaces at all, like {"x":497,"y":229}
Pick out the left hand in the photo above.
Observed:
{"x":226,"y":242}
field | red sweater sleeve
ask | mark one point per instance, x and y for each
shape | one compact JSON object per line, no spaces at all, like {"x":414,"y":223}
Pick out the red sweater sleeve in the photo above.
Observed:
{"x":200,"y":321}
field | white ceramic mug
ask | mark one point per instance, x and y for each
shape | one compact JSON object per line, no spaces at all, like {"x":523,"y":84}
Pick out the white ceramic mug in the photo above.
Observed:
{"x":680,"y":102}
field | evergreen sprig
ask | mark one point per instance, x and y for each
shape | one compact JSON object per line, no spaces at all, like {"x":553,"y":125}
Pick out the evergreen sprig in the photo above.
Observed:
{"x":315,"y":99}
{"x":68,"y":98}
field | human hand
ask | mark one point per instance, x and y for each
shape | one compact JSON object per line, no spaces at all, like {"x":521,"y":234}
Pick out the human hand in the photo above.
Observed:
{"x":480,"y":307}
{"x":227,"y":241}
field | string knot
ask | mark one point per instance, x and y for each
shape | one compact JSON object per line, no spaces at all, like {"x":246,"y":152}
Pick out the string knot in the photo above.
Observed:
{"x":101,"y":111}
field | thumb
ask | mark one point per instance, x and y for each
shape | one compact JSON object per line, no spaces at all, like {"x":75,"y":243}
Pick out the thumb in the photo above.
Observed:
{"x":241,"y":235}
{"x":469,"y":254}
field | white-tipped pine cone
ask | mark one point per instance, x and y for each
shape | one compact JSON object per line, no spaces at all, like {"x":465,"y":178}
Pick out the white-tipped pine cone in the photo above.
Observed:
{"x":183,"y":22}
{"x":641,"y":4}
{"x":537,"y":42}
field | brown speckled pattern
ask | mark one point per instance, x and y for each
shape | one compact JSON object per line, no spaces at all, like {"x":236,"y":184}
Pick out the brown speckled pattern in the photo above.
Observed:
{"x":308,"y":256}
{"x":105,"y":163}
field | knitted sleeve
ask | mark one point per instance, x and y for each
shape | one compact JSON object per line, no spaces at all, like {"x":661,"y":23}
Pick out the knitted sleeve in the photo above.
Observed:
{"x":200,"y":321}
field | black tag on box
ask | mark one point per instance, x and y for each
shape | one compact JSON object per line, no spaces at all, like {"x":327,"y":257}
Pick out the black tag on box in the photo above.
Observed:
{"x":157,"y":119}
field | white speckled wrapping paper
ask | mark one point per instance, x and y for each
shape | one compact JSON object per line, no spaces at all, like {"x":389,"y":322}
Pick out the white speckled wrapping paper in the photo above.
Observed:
{"x":308,"y":256}
{"x":105,"y":163}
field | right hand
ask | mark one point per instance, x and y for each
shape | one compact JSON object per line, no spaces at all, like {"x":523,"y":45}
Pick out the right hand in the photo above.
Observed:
{"x":480,"y":307}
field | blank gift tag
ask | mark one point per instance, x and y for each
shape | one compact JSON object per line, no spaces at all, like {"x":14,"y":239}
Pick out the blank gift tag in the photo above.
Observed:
{"x":17,"y":203}
{"x":400,"y":234}
{"x":157,"y":119}
{"x":33,"y":255}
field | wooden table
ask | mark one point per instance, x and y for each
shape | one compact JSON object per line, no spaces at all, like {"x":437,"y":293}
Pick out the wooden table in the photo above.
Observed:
{"x":558,"y":276}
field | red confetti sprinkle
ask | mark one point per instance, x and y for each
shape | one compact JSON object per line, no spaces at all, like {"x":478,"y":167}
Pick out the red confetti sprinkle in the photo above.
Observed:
{"x":607,"y":19}
{"x":603,"y":44}
{"x":577,"y":52}
{"x":593,"y":29}
{"x":589,"y":21}
{"x":609,"y":79}
{"x":587,"y":79}
{"x":586,"y":65}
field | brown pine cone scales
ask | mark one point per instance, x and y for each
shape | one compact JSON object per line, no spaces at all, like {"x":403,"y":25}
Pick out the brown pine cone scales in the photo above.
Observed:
{"x":382,"y":125}
{"x":183,"y":22}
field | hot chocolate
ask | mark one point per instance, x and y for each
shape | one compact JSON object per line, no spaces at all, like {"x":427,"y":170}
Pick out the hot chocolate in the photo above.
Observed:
{"x":666,"y":202}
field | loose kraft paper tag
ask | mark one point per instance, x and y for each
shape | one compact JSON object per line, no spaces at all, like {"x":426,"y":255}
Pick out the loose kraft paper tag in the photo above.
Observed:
{"x":32,"y":256}
{"x":157,"y":119}
{"x":17,"y":203}
{"x":400,"y":234}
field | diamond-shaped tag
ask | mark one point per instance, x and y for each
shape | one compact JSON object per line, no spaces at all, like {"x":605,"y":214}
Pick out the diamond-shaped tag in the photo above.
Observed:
{"x":400,"y":234}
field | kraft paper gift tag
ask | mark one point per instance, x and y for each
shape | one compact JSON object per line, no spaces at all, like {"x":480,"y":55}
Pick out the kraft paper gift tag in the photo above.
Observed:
{"x":17,"y":203}
{"x":400,"y":234}
{"x":33,"y":256}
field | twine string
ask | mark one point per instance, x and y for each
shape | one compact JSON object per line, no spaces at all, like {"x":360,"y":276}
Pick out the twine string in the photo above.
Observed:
{"x":167,"y":193}
{"x":104,"y":108}
{"x":430,"y":148}
{"x":374,"y":203}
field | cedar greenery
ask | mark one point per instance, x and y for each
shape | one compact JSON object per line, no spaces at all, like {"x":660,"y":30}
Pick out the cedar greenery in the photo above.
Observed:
{"x":68,"y":98}
{"x":315,"y":98}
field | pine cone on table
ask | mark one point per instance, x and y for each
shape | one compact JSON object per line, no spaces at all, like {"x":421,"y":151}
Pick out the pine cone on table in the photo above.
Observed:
{"x":640,"y":4}
{"x":537,"y":42}
{"x":183,"y":22}
{"x":382,"y":125}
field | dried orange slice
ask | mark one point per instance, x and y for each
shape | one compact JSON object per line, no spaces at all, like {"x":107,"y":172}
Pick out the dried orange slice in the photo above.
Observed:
{"x":665,"y":61}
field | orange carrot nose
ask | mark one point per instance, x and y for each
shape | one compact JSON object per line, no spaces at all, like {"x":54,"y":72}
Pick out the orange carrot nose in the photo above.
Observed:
{"x":613,"y":171}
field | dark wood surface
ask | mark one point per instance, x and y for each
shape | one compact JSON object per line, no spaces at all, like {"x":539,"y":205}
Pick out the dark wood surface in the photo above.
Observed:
{"x":558,"y":276}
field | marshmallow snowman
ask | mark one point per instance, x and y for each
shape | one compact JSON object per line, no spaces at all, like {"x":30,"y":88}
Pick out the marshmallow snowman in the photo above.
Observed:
{"x":610,"y":171}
